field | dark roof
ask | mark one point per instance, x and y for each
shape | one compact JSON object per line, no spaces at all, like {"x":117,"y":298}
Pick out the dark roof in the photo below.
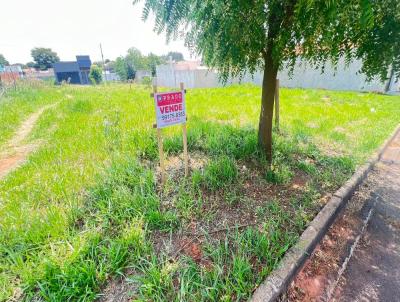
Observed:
{"x":84,"y":61}
{"x":82,"y":58}
{"x":66,"y":67}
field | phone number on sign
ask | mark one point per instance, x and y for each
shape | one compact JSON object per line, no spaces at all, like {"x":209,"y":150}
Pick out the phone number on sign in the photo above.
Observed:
{"x":169,"y":116}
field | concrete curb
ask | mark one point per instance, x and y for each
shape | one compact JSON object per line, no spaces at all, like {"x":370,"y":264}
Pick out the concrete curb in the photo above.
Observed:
{"x":278,"y":281}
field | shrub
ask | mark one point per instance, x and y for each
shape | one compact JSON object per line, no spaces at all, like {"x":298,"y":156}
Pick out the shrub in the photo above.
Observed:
{"x":95,"y":74}
{"x":146,"y":81}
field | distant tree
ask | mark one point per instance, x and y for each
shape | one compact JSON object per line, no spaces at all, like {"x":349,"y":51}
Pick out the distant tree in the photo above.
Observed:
{"x":238,"y":37}
{"x":120,"y":68}
{"x":110,"y":66}
{"x":98,"y":63}
{"x":152,"y":61}
{"x":126,"y":66}
{"x":95,"y":74}
{"x":135,"y":58}
{"x":3,"y":61}
{"x":176,"y":56}
{"x":130,"y":71}
{"x":44,"y":58}
{"x":31,"y":64}
{"x":124,"y":69}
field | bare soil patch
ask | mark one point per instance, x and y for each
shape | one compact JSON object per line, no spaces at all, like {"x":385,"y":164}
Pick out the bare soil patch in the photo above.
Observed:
{"x":218,"y":213}
{"x":16,"y":151}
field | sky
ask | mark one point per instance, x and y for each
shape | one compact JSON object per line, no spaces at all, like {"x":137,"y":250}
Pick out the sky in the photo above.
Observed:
{"x":77,"y":27}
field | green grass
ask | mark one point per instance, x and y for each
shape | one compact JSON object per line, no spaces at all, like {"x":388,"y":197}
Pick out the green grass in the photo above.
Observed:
{"x":86,"y":206}
{"x":18,"y":105}
{"x":220,"y":173}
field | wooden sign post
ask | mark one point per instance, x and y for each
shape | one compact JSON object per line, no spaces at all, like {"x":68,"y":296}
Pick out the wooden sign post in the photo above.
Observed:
{"x":184,"y":132}
{"x":160,"y":145}
{"x":170,"y":110}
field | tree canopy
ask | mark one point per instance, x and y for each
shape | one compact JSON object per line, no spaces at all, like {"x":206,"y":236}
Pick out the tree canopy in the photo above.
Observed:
{"x":3,"y":61}
{"x":176,"y":56}
{"x":152,"y":61}
{"x":243,"y":36}
{"x":44,"y":57}
{"x":234,"y":36}
{"x":126,"y":66}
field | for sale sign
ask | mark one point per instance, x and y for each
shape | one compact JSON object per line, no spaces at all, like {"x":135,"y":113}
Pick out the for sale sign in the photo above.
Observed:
{"x":170,"y":108}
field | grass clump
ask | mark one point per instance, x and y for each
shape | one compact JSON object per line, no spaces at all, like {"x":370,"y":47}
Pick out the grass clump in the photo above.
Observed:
{"x":279,"y":174}
{"x":219,"y":173}
{"x":81,"y":278}
{"x":307,"y":167}
{"x":233,"y":265}
{"x":224,"y":140}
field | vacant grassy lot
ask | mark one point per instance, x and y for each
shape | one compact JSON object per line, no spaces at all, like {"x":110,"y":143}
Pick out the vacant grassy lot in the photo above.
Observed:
{"x":26,"y":100}
{"x":87,"y":209}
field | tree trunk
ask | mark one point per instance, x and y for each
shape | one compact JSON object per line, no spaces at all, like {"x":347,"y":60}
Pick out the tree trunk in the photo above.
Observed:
{"x":267,"y":105}
{"x":389,"y":81}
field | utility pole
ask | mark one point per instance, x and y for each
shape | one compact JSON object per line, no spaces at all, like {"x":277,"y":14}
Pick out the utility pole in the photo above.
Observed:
{"x":104,"y":65}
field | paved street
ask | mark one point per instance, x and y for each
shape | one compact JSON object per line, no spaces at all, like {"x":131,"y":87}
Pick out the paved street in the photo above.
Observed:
{"x":359,"y":258}
{"x":373,"y":273}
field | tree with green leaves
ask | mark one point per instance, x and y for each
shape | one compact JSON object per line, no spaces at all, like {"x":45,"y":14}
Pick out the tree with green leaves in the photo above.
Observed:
{"x":120,"y":68}
{"x":95,"y":74}
{"x":175,"y":56}
{"x":3,"y":61}
{"x":239,"y":37}
{"x":31,"y":64}
{"x":44,"y":58}
{"x":124,"y":69}
{"x":152,"y":61}
{"x":126,"y":66}
{"x":135,"y":58}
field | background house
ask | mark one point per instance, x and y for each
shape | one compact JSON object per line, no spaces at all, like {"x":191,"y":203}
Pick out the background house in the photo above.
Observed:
{"x":74,"y":72}
{"x":9,"y":74}
{"x":110,"y":76}
{"x":32,"y":73}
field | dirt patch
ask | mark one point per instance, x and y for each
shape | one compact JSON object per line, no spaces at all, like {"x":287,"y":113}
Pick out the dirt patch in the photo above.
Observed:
{"x":340,"y":130}
{"x":312,"y":125}
{"x":16,"y":152}
{"x":321,"y":269}
{"x":174,"y":165}
{"x":119,"y":290}
{"x":222,"y":211}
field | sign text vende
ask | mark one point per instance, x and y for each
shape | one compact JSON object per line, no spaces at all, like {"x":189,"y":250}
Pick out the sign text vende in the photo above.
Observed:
{"x":170,"y":108}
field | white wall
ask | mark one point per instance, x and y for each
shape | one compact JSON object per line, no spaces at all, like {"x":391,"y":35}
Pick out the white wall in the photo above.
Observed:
{"x":344,"y":78}
{"x":110,"y":76}
{"x":140,"y":74}
{"x":166,"y":76}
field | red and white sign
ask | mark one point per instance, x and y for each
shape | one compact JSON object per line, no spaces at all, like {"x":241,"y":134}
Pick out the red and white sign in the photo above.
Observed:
{"x":170,"y":108}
